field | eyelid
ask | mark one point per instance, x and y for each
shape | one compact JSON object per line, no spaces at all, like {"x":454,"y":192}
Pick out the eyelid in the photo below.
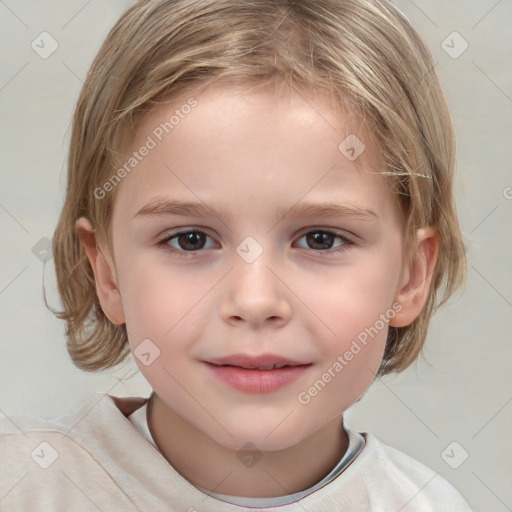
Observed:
{"x":348,"y":235}
{"x":347,"y":240}
{"x":183,"y":231}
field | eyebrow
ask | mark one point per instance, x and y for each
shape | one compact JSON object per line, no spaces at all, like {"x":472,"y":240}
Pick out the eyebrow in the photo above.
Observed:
{"x":166,"y":207}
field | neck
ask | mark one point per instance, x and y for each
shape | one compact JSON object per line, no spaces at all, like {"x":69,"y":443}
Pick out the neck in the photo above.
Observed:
{"x":211,"y":466}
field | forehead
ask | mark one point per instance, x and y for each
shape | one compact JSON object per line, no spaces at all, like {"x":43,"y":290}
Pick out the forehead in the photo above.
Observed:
{"x":235,"y":145}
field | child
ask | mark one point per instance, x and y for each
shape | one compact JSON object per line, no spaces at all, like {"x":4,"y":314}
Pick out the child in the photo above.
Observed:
{"x":260,"y":208}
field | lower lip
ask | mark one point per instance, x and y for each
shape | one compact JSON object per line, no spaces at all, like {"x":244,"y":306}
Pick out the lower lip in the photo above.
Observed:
{"x":257,"y":381}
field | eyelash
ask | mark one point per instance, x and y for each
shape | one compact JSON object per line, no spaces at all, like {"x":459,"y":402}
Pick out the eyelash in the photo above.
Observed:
{"x":164,"y":243}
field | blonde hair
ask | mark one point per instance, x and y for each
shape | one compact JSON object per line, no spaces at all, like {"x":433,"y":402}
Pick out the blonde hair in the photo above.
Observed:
{"x":364,"y":53}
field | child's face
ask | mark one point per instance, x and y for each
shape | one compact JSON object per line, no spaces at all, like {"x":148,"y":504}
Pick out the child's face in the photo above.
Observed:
{"x":307,"y":299}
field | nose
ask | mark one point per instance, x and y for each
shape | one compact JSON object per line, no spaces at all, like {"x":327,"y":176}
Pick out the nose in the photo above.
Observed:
{"x":254,"y":295}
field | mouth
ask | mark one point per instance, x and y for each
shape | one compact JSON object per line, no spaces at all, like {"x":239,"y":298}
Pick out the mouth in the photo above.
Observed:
{"x":267,"y":367}
{"x":260,"y":362}
{"x":257,"y":374}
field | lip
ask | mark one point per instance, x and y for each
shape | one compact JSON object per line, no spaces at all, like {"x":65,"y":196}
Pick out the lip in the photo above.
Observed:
{"x":264,"y":373}
{"x":261,"y":361}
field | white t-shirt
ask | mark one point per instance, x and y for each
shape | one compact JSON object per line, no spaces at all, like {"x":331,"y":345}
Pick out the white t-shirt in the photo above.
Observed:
{"x":95,"y":459}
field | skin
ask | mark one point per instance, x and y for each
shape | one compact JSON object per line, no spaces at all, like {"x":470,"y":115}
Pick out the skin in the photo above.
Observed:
{"x":254,"y":153}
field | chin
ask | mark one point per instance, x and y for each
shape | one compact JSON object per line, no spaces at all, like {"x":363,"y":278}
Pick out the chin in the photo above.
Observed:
{"x":264,"y":435}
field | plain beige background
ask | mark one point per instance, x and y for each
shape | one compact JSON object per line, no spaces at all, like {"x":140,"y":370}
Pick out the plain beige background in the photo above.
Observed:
{"x":457,"y":404}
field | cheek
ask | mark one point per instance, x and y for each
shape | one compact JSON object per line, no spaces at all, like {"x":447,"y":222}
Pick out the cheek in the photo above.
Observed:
{"x":154,"y":295}
{"x":357,"y":310}
{"x":357,"y":297}
{"x":164,"y":307}
{"x":352,"y":355}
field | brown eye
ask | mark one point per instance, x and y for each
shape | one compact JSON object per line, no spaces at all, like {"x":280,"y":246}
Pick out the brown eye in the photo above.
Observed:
{"x":320,"y":240}
{"x":191,"y":241}
{"x":325,"y":241}
{"x":186,"y":242}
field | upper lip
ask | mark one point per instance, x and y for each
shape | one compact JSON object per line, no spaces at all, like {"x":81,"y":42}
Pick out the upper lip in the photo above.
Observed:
{"x":262,"y":361}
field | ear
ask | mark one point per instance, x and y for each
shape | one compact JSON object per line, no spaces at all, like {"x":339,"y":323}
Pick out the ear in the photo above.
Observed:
{"x":414,"y":286}
{"x":106,"y":287}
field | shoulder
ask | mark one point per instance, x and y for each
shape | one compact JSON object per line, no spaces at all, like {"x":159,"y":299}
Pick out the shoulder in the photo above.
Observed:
{"x":391,"y":473}
{"x":66,"y":453}
{"x":100,"y":410}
